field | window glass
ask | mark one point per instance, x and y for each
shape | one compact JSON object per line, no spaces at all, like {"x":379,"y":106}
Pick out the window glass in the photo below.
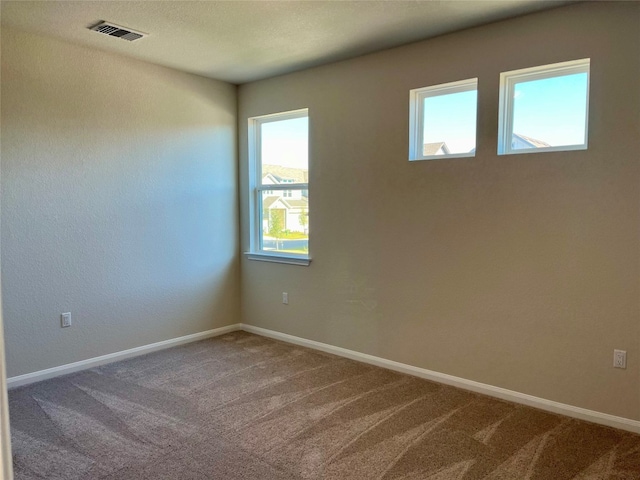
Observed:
{"x":450,"y":123}
{"x":442,"y":121}
{"x":285,"y":222}
{"x":544,"y":108}
{"x":550,"y":112}
{"x":285,"y":143}
{"x":280,"y":191}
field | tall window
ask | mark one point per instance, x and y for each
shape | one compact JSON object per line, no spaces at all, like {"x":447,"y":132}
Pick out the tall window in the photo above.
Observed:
{"x":279,"y":163}
{"x":442,"y":120}
{"x":544,"y":108}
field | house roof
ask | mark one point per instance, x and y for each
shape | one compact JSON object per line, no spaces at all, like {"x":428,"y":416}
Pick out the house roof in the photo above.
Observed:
{"x":531,"y":141}
{"x":297,"y":202}
{"x":298,"y":175}
{"x":434,"y":148}
{"x":268,"y":202}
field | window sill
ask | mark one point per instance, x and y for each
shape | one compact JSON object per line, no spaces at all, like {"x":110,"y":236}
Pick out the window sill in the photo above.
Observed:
{"x":279,"y":258}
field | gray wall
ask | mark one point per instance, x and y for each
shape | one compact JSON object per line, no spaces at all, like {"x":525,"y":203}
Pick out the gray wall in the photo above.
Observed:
{"x":119,"y":202}
{"x":516,"y":271}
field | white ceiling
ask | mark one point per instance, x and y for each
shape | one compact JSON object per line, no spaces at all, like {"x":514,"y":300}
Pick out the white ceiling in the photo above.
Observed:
{"x":240,"y":41}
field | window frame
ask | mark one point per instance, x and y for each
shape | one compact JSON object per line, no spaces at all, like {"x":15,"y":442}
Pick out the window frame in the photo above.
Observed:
{"x":416,"y":117}
{"x":508,"y":81}
{"x":256,"y":190}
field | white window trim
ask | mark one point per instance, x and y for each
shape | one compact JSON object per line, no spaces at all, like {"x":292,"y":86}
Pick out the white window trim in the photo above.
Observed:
{"x":508,"y":80}
{"x":416,"y":116}
{"x":256,"y":188}
{"x":288,"y":258}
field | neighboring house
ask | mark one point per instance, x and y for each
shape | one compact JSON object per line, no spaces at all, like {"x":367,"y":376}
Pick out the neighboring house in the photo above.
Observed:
{"x":520,"y":141}
{"x":290,"y":207}
{"x":296,"y":175}
{"x":517,"y":142}
{"x":437,"y":148}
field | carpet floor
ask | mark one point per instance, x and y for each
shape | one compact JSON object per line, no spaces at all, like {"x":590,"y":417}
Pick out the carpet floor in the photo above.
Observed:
{"x":241,"y":406}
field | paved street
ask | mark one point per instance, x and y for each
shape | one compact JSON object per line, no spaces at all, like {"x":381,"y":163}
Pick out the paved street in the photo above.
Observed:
{"x":284,"y":244}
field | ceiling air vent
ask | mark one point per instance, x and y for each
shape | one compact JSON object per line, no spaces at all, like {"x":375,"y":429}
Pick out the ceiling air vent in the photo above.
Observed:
{"x":114,"y":30}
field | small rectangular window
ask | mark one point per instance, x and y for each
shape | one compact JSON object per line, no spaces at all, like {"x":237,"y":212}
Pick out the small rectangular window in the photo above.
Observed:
{"x":544,"y":108}
{"x":279,"y":169}
{"x":442,"y":121}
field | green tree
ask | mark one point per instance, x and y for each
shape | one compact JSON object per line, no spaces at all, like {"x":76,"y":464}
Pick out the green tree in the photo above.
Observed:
{"x":304,"y":219}
{"x":276,"y":223}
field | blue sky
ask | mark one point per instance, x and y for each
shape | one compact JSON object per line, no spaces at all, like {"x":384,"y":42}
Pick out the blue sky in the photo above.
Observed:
{"x":451,"y":118}
{"x":285,"y":143}
{"x":552,"y":110}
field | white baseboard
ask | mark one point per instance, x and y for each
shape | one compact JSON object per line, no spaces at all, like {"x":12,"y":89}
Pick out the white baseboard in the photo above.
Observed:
{"x":28,"y":378}
{"x":497,"y":392}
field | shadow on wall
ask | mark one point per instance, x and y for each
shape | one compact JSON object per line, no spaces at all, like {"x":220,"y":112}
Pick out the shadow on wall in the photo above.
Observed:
{"x":119,"y":202}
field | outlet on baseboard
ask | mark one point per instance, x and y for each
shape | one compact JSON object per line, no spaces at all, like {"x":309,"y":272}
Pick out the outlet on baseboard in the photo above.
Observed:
{"x":620,"y":358}
{"x":65,"y":319}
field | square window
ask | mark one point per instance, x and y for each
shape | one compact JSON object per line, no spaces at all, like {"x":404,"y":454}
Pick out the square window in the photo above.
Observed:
{"x":544,"y":108}
{"x":442,"y":121}
{"x":279,"y":176}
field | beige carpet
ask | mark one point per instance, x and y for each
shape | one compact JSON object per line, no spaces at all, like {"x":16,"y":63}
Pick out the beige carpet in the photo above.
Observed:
{"x":245,"y":407}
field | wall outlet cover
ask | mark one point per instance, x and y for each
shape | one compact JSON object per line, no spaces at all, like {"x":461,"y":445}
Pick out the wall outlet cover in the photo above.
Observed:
{"x":620,"y":358}
{"x":65,"y":319}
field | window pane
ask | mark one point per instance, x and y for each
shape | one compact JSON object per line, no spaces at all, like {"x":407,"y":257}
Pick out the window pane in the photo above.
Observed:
{"x":550,"y":112}
{"x":285,"y":221}
{"x":284,"y":151}
{"x":450,"y":123}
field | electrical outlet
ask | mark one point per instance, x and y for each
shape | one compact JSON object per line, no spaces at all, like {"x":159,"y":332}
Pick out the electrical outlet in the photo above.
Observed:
{"x":620,"y":358}
{"x":65,"y":319}
{"x":285,"y":298}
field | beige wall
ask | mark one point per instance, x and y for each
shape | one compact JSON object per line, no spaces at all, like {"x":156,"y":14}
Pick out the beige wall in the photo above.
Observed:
{"x":119,"y":202}
{"x":516,"y":271}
